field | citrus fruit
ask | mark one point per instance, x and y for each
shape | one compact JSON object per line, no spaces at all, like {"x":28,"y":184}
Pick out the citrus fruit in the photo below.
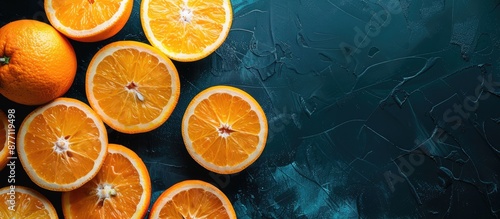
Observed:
{"x":224,"y":129}
{"x":37,"y":63}
{"x":132,"y":86}
{"x":88,"y":20}
{"x":121,"y":189}
{"x":23,"y":202}
{"x":7,"y":139}
{"x":62,"y":144}
{"x":186,"y":30}
{"x":192,"y":199}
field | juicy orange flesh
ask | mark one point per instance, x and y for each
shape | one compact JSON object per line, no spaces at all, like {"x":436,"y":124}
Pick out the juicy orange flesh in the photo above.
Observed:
{"x":179,"y":36}
{"x":26,"y":206}
{"x":91,"y":14}
{"x":44,"y":131}
{"x":224,"y":111}
{"x":122,"y":74}
{"x":118,"y":172}
{"x":194,"y":203}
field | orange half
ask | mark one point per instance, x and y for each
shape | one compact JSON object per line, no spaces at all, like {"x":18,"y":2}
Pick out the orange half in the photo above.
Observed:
{"x":192,"y":199}
{"x":132,"y":86}
{"x":62,"y":145}
{"x":88,"y":20}
{"x":224,"y":129}
{"x":186,"y":30}
{"x":23,"y":202}
{"x":121,"y":189}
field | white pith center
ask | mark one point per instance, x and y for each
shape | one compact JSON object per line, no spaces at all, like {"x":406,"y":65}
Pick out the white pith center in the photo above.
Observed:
{"x":132,"y":87}
{"x":61,"y":145}
{"x":186,"y":14}
{"x":105,"y":192}
{"x":225,"y":130}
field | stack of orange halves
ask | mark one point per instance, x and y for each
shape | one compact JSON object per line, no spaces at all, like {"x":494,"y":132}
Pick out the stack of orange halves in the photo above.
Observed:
{"x":132,"y":87}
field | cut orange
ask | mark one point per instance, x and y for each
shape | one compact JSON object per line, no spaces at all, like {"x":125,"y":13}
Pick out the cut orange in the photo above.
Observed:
{"x":224,"y":129}
{"x":121,"y":189}
{"x":5,"y":140}
{"x":88,"y":20}
{"x":186,"y":30}
{"x":62,"y":145}
{"x":192,"y":199}
{"x":132,"y":86}
{"x":24,"y":202}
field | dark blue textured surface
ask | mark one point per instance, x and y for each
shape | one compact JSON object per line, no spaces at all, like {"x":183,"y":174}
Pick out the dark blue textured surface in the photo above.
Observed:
{"x":376,"y":109}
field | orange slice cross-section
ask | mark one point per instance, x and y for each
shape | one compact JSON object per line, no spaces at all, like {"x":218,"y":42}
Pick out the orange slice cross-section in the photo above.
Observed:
{"x":88,"y":20}
{"x":132,"y":86}
{"x":224,"y":129}
{"x":121,"y":189}
{"x":186,"y":30}
{"x":192,"y":199}
{"x":62,"y":145}
{"x":23,"y":202}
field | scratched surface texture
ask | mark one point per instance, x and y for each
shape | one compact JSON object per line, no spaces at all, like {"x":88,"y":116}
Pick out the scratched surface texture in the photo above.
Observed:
{"x":376,"y":109}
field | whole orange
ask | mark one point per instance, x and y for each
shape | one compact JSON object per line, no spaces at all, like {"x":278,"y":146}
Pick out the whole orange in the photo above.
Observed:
{"x":37,"y":63}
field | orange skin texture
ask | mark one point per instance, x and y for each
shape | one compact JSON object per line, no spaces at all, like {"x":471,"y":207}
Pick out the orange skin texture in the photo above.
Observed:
{"x":42,"y":62}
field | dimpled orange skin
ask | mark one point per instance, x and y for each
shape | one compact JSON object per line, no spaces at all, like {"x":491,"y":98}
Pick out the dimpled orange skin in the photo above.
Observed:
{"x":41,"y":62}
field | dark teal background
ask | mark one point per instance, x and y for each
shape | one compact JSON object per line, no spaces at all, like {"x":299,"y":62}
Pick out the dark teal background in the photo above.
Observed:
{"x":376,"y":109}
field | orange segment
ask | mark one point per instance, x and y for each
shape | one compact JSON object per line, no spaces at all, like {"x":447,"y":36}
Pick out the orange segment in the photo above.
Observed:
{"x":88,"y":20}
{"x":192,"y":199}
{"x":186,"y":30}
{"x":132,"y":86}
{"x":121,"y":189}
{"x":28,"y":203}
{"x":5,"y":132}
{"x":224,"y":129}
{"x":62,"y":144}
